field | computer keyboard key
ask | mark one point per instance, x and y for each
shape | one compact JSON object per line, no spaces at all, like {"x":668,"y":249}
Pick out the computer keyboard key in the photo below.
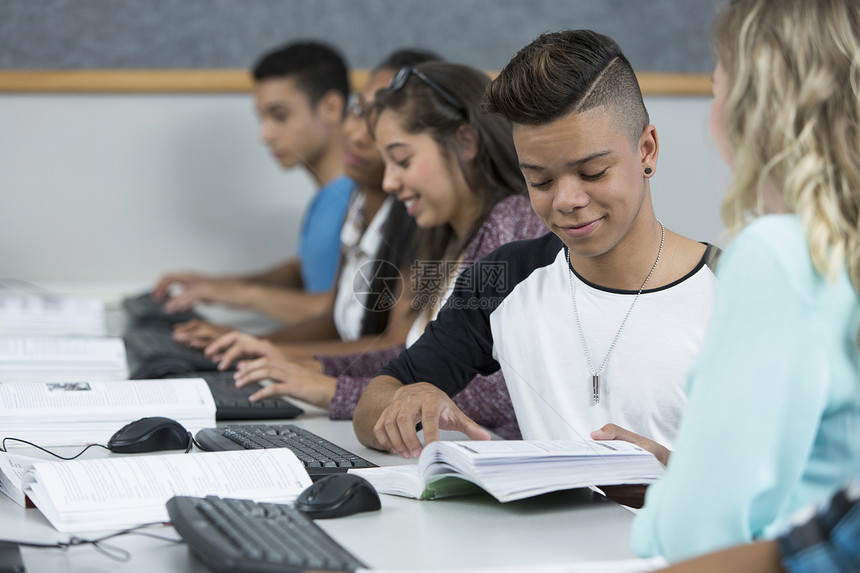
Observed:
{"x":238,"y":536}
{"x":319,"y":456}
{"x":144,"y":310}
{"x":232,"y":403}
{"x":146,"y":345}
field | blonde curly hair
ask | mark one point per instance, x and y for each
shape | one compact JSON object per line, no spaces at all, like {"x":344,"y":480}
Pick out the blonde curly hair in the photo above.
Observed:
{"x":792,"y":115}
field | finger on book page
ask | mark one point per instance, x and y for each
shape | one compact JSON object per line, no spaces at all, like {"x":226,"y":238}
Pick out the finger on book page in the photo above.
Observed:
{"x":613,"y":432}
{"x":406,"y":426}
{"x":472,"y":429}
{"x":387,"y":433}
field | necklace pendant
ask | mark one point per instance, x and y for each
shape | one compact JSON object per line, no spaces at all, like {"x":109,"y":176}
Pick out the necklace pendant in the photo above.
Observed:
{"x":595,"y":388}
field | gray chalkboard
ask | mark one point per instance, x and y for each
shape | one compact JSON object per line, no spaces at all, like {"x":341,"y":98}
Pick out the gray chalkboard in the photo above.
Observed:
{"x":656,"y":35}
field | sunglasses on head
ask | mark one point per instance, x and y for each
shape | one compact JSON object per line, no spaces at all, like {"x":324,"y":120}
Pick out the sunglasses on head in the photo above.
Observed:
{"x":356,"y":106}
{"x":406,"y":72}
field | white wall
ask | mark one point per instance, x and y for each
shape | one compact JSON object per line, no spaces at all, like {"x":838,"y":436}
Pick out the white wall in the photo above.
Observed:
{"x":691,"y":177}
{"x":126,"y":187}
{"x":118,"y":187}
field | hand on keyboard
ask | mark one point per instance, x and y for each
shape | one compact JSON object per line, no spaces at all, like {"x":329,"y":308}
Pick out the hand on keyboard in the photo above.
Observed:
{"x":225,"y":291}
{"x":173,"y":283}
{"x":289,"y":379}
{"x":198,"y":333}
{"x":235,"y":346}
{"x":146,"y":310}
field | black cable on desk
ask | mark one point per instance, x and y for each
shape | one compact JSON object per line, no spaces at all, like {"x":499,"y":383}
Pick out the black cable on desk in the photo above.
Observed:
{"x":3,"y":448}
{"x":110,"y":551}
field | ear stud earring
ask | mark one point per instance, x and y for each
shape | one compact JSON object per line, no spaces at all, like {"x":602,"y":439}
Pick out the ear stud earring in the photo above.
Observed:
{"x":647,"y":171}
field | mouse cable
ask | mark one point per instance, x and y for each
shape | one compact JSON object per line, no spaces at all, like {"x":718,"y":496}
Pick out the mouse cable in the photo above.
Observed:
{"x":110,"y":551}
{"x":192,"y":442}
{"x":4,"y":449}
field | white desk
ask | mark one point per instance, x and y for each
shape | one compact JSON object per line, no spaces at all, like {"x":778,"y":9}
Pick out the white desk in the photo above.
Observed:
{"x":470,"y":531}
{"x":406,"y":534}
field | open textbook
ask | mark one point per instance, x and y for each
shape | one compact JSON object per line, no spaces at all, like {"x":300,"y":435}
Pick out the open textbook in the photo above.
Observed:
{"x":123,"y":491}
{"x":515,"y":469}
{"x":61,"y":359}
{"x":79,"y":413}
{"x":12,"y":470}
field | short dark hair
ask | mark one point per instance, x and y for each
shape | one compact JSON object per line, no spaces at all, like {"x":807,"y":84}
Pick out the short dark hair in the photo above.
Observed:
{"x":317,"y":68}
{"x":566,"y":72}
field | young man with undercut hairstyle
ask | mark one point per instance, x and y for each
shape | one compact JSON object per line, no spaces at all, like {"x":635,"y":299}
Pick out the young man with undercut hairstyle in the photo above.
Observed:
{"x":595,"y":323}
{"x":301,"y":92}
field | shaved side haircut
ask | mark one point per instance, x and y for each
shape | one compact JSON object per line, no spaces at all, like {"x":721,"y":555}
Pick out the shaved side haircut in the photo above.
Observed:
{"x":572,"y":71}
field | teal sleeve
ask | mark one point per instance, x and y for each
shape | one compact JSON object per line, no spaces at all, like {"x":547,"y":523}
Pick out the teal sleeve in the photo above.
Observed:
{"x":319,"y":241}
{"x":755,"y":400}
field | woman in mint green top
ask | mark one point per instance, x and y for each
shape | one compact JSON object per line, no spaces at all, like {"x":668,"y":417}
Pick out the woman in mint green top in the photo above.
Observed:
{"x":773,"y":420}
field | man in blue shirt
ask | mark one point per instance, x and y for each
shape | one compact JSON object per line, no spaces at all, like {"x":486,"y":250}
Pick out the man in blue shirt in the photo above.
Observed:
{"x":300,"y":92}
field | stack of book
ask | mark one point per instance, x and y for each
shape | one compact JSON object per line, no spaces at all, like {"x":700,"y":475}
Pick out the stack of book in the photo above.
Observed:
{"x":31,"y":314}
{"x":79,"y":413}
{"x":61,"y":359}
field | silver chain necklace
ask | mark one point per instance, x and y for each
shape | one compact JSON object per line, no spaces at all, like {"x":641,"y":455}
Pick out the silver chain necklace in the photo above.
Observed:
{"x":595,"y":375}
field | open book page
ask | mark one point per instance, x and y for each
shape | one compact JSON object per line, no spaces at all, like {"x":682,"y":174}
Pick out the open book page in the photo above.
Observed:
{"x":12,"y":470}
{"x":394,"y":480}
{"x":54,"y":358}
{"x":620,"y":566}
{"x":77,"y":413}
{"x":405,"y":481}
{"x":516,"y":469}
{"x":119,"y":492}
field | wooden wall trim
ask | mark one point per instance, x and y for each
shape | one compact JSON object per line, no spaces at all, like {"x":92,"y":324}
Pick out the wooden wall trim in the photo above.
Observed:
{"x":197,"y":81}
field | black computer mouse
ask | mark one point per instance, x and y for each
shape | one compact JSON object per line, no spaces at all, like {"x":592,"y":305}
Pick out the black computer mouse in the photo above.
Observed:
{"x":338,"y":495}
{"x":150,"y":435}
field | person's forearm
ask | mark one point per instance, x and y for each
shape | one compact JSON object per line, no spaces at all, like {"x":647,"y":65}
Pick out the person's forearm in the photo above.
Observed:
{"x":287,"y":275}
{"x":399,"y":323}
{"x":320,"y":327}
{"x":289,"y":306}
{"x":760,"y":557}
{"x":332,"y":347}
{"x":373,"y":401}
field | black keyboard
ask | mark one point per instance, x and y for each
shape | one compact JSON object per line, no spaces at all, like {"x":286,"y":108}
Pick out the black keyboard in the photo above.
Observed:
{"x":152,"y":353}
{"x":144,"y":310}
{"x":320,"y":456}
{"x":234,"y":535}
{"x":232,"y":403}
